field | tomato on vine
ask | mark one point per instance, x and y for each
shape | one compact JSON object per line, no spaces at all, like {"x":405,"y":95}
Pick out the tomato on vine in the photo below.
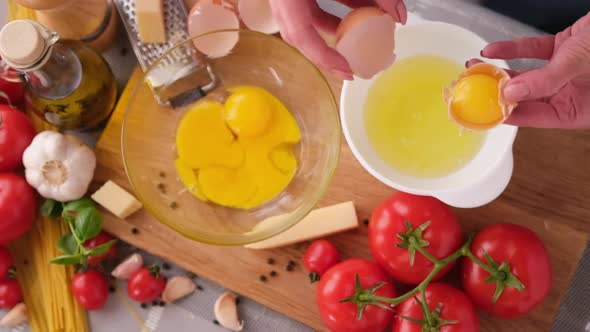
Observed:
{"x":440,"y":308}
{"x":508,"y":272}
{"x":407,"y":228}
{"x":96,"y":241}
{"x":340,"y":297}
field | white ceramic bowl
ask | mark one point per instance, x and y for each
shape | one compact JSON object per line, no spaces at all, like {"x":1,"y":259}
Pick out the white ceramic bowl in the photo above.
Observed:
{"x":480,"y":181}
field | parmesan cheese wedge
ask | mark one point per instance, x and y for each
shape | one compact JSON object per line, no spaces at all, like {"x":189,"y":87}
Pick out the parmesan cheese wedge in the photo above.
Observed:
{"x":150,"y":21}
{"x":115,"y":199}
{"x":318,"y":223}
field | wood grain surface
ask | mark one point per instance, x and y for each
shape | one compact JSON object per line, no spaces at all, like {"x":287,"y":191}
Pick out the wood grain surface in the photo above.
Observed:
{"x":549,"y":193}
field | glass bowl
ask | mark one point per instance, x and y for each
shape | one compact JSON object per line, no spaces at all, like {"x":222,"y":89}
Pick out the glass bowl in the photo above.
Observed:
{"x":149,"y":130}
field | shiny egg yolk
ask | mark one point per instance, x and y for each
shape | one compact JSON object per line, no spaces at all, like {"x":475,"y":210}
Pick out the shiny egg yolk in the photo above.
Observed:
{"x":248,"y":113}
{"x":475,"y":99}
{"x":264,"y":134}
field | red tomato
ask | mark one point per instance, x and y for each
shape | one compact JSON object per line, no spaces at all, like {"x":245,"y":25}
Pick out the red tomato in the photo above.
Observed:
{"x":18,"y":207}
{"x":101,"y":238}
{"x":145,"y":284}
{"x":90,"y":289}
{"x":6,"y":262}
{"x":319,"y":257}
{"x":14,"y":92}
{"x":338,"y":283}
{"x":443,"y":235}
{"x":528,"y":260}
{"x":455,"y":306}
{"x":16,"y":134}
{"x":10,"y":293}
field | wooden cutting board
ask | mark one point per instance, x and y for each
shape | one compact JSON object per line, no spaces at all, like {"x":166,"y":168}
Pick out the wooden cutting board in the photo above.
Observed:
{"x":550,"y":193}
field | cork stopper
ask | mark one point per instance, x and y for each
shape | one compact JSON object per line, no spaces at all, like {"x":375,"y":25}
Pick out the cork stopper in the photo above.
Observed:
{"x":22,"y":43}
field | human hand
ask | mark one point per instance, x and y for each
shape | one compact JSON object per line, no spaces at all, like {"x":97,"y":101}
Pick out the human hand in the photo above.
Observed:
{"x":301,"y":22}
{"x":558,"y":94}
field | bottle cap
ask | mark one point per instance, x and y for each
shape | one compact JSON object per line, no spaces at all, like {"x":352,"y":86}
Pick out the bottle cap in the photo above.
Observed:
{"x":22,"y":43}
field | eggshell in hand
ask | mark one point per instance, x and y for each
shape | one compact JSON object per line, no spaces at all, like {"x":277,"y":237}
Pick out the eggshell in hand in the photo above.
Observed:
{"x":257,"y":16}
{"x":366,"y":39}
{"x":207,"y":17}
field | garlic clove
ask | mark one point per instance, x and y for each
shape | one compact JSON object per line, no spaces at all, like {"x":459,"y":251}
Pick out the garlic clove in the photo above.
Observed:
{"x":16,"y":316}
{"x":226,"y":312}
{"x":128,"y":266}
{"x":177,"y":288}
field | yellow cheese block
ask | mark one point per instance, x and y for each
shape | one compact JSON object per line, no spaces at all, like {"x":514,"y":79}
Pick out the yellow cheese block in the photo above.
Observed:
{"x":318,"y":223}
{"x":116,"y":200}
{"x":149,"y":16}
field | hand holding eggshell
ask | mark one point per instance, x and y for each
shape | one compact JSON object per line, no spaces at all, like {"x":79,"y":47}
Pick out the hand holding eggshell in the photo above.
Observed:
{"x":305,"y":26}
{"x":556,"y":95}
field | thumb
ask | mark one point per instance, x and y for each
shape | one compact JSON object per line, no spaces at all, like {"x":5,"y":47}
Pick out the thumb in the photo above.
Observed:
{"x":539,"y":83}
{"x":569,"y":61}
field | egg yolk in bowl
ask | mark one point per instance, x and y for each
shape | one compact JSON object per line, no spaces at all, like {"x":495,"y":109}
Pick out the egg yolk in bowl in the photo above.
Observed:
{"x":238,"y":154}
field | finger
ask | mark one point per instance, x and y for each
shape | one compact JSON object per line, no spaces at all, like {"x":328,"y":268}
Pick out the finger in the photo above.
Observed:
{"x":325,"y":22}
{"x":529,"y":48}
{"x":537,"y":115}
{"x":311,"y":44}
{"x":296,"y":19}
{"x":396,"y":8}
{"x":581,"y":24}
{"x":540,"y":83}
{"x":472,"y":62}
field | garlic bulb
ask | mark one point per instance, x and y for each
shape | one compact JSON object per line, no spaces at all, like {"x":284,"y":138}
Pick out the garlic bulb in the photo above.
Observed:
{"x":60,"y":167}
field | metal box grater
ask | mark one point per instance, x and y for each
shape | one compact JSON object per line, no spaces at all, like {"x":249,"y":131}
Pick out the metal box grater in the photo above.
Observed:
{"x":181,"y":62}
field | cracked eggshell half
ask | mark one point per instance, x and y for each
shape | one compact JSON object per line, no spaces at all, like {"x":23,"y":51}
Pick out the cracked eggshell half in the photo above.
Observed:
{"x":366,"y":39}
{"x":211,"y":15}
{"x":257,"y":16}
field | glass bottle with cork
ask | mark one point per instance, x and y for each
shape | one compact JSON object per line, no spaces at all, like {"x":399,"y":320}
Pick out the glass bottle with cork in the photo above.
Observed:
{"x":68,"y":84}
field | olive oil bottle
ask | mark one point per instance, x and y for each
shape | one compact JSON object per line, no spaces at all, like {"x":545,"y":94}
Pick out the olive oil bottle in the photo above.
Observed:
{"x":69,"y":85}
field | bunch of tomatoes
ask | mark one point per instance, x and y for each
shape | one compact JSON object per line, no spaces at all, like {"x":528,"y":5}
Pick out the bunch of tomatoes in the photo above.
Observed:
{"x":18,"y":201}
{"x":416,"y":240}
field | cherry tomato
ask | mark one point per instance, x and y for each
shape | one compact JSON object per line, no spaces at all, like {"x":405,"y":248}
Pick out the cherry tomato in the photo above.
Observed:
{"x":6,"y":263}
{"x":442,"y":236}
{"x":10,"y":293}
{"x":528,"y":261}
{"x":14,"y":92}
{"x":145,"y":284}
{"x":90,"y":289}
{"x":16,"y":134}
{"x":319,"y":257}
{"x":18,"y":207}
{"x":454,"y":304}
{"x":338,"y":283}
{"x":101,"y":238}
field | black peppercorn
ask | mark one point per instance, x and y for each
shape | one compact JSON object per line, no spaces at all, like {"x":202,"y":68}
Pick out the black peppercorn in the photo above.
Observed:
{"x":134,"y":230}
{"x":173,"y":205}
{"x":112,"y":289}
{"x":273,"y":273}
{"x":166,"y":266}
{"x":215,"y":322}
{"x":144,"y":305}
{"x":270,"y":261}
{"x":263,"y":278}
{"x":366,"y":222}
{"x":199,"y":287}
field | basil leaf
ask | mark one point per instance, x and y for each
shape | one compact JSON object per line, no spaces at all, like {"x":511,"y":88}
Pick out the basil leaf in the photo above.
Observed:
{"x":101,"y":249}
{"x":67,"y":244}
{"x":51,"y":209}
{"x":87,"y":224}
{"x":67,"y":260}
{"x":71,"y":209}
